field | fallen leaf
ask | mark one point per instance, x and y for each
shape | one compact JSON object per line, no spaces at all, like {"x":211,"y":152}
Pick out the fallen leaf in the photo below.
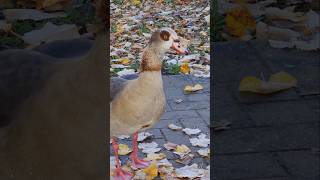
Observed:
{"x":143,"y":136}
{"x":124,"y":149}
{"x":277,"y":82}
{"x":148,"y":148}
{"x":136,"y":2}
{"x":239,"y":20}
{"x":155,"y":156}
{"x":190,"y":172}
{"x":200,"y":141}
{"x":170,"y":146}
{"x":51,"y":32}
{"x":204,"y":152}
{"x":178,"y":101}
{"x":182,"y":150}
{"x":125,"y":61}
{"x":125,"y":72}
{"x":174,"y":127}
{"x":123,"y":137}
{"x":185,"y":159}
{"x":194,"y":88}
{"x":276,"y":13}
{"x":190,"y":132}
{"x":184,"y":68}
{"x":151,"y":171}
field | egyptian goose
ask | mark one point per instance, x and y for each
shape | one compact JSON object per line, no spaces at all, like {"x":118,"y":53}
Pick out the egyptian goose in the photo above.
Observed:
{"x":138,"y":104}
{"x":55,"y":112}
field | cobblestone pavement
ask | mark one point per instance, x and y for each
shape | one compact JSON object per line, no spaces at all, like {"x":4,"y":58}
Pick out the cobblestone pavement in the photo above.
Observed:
{"x":192,"y":112}
{"x":272,"y":137}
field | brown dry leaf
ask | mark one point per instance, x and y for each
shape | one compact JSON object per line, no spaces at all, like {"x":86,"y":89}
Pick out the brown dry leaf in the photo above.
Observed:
{"x":277,"y":82}
{"x":151,"y":171}
{"x":239,"y":20}
{"x":185,"y":159}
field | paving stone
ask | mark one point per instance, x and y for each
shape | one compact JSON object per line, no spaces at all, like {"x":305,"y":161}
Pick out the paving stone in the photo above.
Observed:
{"x":168,"y":108}
{"x":205,"y":115}
{"x":198,"y":97}
{"x":177,"y":137}
{"x":243,"y":61}
{"x":164,"y":123}
{"x":176,"y":81}
{"x":202,"y":162}
{"x":301,"y":164}
{"x":189,"y":105}
{"x":195,"y":123}
{"x":180,"y":114}
{"x":314,"y":104}
{"x":299,"y":136}
{"x":280,"y":138}
{"x":235,"y":141}
{"x":156,"y":133}
{"x":271,"y":178}
{"x":238,"y":117}
{"x":222,"y":95}
{"x":281,"y":113}
{"x":246,"y":166}
{"x":174,"y":93}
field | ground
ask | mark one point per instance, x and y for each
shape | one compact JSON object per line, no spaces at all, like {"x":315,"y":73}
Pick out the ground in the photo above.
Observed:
{"x":271,"y":137}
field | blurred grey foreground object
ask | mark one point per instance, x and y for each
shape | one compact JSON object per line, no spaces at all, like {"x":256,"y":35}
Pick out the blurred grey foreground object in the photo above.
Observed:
{"x":22,"y":77}
{"x":66,"y":48}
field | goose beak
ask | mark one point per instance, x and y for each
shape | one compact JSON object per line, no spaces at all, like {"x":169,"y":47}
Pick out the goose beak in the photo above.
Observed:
{"x":178,"y":49}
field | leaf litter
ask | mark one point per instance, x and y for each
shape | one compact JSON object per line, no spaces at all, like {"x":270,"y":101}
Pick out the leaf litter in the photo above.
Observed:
{"x":132,"y":23}
{"x":283,"y":24}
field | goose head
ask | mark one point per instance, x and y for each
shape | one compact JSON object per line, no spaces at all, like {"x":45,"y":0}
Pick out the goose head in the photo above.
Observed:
{"x":165,"y":39}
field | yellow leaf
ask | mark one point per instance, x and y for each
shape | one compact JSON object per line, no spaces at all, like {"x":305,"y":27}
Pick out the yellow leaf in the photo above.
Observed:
{"x":194,"y":88}
{"x":250,"y":83}
{"x":283,"y":77}
{"x":239,"y":20}
{"x":188,"y":88}
{"x":119,"y":29}
{"x":125,"y":61}
{"x":151,"y":171}
{"x":124,"y":149}
{"x":155,"y":156}
{"x":182,"y":149}
{"x":136,"y":2}
{"x":277,"y":82}
{"x":197,"y":87}
{"x":184,"y":68}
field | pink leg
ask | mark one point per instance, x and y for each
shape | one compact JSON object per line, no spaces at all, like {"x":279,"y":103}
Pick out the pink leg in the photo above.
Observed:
{"x":120,"y":174}
{"x":136,"y":162}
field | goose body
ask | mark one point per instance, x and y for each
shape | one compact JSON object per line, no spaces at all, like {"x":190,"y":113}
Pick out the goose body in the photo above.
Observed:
{"x":137,"y":105}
